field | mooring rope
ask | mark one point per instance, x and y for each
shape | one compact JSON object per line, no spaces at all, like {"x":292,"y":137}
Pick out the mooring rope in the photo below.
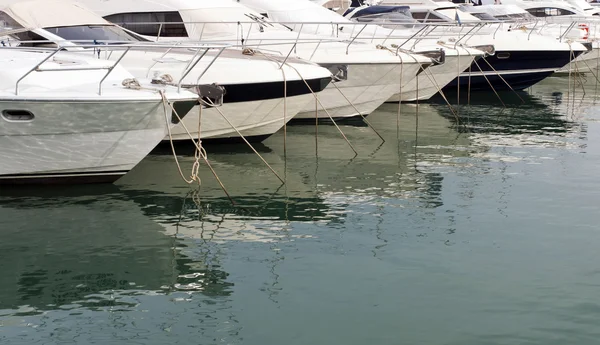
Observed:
{"x":314,"y":95}
{"x":208,"y":102}
{"x":200,"y":152}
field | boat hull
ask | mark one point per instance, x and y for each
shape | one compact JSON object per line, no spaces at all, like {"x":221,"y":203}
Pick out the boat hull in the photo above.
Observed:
{"x":368,"y":86}
{"x":433,"y":79}
{"x":255,"y":120}
{"x":256,"y":111}
{"x":506,"y":70}
{"x":585,"y":63}
{"x":78,"y":142}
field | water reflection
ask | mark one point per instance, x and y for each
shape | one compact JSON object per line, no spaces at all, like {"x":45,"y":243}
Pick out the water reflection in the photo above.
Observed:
{"x":399,"y":168}
{"x":83,"y":246}
{"x":540,"y":118}
{"x":153,"y":259}
{"x":73,"y":252}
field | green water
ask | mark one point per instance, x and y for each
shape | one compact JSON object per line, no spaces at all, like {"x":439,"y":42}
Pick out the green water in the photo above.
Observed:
{"x":478,"y":231}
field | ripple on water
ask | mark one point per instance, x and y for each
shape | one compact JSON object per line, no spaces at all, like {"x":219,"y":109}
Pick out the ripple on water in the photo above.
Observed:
{"x":480,"y":230}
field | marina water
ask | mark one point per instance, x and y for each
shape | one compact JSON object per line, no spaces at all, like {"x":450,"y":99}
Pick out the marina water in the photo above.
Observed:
{"x":481,"y":230}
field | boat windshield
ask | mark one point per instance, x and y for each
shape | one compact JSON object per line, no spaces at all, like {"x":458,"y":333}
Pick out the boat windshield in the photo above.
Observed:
{"x":516,"y":17}
{"x":483,"y":16}
{"x":398,"y":16}
{"x":94,"y":33}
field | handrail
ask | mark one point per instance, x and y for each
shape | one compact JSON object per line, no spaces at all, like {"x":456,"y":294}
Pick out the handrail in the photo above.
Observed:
{"x":207,"y":67}
{"x":465,"y":35}
{"x":33,"y":69}
{"x":111,"y":69}
{"x":534,"y":26}
{"x":423,"y":31}
{"x":288,"y":55}
{"x":567,"y":30}
{"x":302,"y":22}
{"x":354,"y":38}
{"x":188,"y":68}
{"x":126,"y":47}
{"x":393,"y":34}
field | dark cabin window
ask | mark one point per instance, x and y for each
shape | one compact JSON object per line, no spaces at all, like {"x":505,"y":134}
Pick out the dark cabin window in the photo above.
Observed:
{"x":484,"y":16}
{"x":427,"y":17}
{"x":128,"y":20}
{"x":549,"y":12}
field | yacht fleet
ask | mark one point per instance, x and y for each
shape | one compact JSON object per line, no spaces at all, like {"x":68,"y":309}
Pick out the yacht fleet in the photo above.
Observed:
{"x":88,"y":88}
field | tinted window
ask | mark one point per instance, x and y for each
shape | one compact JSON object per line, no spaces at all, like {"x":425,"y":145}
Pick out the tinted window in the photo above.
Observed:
{"x":93,"y":32}
{"x":427,"y":17}
{"x":549,"y":12}
{"x":483,"y":16}
{"x":128,"y":20}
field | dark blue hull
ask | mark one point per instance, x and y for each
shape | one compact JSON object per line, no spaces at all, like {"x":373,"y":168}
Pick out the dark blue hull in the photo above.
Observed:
{"x":520,"y":70}
{"x":518,"y":81}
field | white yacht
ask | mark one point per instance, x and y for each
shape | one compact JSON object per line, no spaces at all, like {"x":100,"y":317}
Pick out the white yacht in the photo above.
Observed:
{"x":304,"y":14}
{"x":365,"y":76}
{"x":557,"y":19}
{"x":521,"y":58}
{"x":457,"y":57}
{"x":68,"y":118}
{"x":259,"y":93}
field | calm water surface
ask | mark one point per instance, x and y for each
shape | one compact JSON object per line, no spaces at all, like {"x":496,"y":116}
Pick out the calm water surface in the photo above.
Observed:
{"x":483,"y":230}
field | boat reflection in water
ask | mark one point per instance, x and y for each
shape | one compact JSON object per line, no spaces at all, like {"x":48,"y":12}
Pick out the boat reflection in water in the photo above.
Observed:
{"x":153,"y":258}
{"x":95,"y":240}
{"x":263,"y":207}
{"x":404,"y":167}
{"x":545,"y":116}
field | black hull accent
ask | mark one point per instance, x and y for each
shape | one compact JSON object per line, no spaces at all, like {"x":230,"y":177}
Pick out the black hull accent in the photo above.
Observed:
{"x":535,"y":67}
{"x":348,"y":120}
{"x":235,"y":140}
{"x":263,"y":91}
{"x":519,"y":60}
{"x":63,"y":178}
{"x":516,"y":81}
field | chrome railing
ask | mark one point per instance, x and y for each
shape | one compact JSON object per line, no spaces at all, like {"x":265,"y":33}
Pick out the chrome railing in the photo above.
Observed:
{"x":308,"y":32}
{"x":73,"y":47}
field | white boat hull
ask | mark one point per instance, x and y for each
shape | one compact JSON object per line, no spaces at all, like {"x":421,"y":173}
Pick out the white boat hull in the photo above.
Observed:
{"x":255,"y":120}
{"x":78,"y":141}
{"x":433,"y":79}
{"x":585,"y":63}
{"x":368,"y":86}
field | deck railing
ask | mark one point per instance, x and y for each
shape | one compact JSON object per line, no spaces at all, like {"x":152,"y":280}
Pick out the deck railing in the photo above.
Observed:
{"x":199,"y":52}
